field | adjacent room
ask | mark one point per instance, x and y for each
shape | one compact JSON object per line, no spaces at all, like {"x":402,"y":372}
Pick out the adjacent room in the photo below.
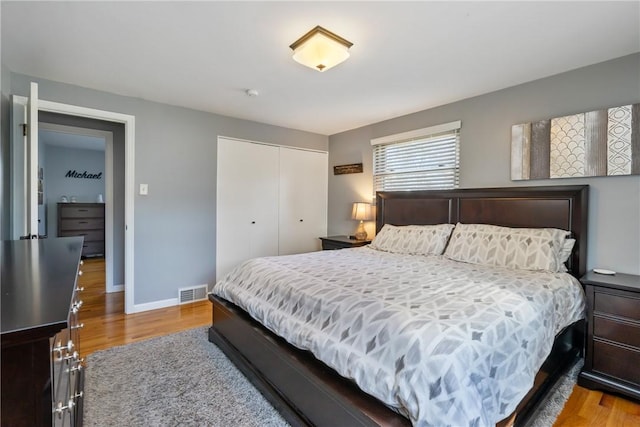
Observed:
{"x":320,"y":213}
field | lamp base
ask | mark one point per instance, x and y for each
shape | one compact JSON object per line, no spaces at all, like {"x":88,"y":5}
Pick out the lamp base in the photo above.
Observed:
{"x":361,"y":233}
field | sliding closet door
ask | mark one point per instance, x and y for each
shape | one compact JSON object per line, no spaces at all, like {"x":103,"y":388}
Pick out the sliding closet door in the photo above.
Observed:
{"x":247,"y":207}
{"x":303,"y":200}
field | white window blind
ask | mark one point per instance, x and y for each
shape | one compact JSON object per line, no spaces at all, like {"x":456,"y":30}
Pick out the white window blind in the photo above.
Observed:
{"x":427,"y":161}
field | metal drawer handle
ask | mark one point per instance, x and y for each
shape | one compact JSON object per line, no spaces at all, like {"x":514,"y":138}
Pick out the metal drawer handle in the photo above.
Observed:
{"x":60,"y":348}
{"x":83,"y":222}
{"x":83,"y":210}
{"x":76,"y":307}
{"x":73,"y":356}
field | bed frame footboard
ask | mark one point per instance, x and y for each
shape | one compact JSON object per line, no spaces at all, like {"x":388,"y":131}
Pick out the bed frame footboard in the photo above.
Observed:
{"x":306,"y":392}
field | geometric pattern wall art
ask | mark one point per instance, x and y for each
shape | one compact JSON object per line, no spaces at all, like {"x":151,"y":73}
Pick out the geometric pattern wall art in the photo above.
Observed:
{"x":566,"y":149}
{"x":596,"y":143}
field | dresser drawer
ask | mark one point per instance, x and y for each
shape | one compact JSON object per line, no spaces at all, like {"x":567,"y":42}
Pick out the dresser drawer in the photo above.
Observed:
{"x":616,"y":331}
{"x":81,"y":224}
{"x":93,"y":248}
{"x":616,"y":361}
{"x":82,"y":211}
{"x":89,"y":235}
{"x":617,"y":305}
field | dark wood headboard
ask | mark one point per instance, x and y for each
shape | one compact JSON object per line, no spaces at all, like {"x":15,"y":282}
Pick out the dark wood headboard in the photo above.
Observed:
{"x":563,"y":207}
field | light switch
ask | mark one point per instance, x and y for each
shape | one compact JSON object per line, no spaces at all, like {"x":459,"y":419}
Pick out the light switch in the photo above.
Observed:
{"x":144,"y":189}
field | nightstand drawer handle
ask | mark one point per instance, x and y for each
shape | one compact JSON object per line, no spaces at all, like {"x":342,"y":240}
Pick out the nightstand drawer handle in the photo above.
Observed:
{"x":253,"y":222}
{"x":301,"y":220}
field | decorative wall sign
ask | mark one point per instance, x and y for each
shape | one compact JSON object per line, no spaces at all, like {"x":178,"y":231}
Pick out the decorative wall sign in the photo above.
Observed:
{"x":596,"y":143}
{"x":83,"y":175}
{"x":345,"y":169}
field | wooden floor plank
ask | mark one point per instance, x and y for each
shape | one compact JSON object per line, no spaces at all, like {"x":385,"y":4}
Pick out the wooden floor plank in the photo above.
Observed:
{"x":106,"y":326}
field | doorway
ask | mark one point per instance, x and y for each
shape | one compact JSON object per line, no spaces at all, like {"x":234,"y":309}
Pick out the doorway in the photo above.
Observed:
{"x":24,"y":172}
{"x":63,"y":150}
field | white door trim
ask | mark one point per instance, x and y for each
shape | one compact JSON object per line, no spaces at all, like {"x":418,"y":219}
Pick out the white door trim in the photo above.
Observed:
{"x":129,"y":161}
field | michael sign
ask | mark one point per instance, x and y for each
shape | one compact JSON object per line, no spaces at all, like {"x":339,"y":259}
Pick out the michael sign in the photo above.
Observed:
{"x":85,"y":175}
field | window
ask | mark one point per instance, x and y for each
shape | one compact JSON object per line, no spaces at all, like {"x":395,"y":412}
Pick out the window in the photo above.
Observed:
{"x":423,"y":159}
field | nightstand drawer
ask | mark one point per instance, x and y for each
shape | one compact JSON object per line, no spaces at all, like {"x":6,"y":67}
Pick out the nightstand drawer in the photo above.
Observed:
{"x":617,"y":305}
{"x":619,"y":362}
{"x":616,"y":331}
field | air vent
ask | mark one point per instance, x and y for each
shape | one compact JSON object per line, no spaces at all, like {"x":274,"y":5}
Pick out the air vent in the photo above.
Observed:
{"x":196,"y":293}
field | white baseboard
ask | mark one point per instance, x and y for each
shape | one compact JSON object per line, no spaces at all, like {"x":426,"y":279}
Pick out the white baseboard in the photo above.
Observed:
{"x":115,"y":288}
{"x":137,"y":308}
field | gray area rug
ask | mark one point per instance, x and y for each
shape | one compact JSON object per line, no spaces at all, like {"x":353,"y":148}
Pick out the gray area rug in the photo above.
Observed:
{"x":183,"y":379}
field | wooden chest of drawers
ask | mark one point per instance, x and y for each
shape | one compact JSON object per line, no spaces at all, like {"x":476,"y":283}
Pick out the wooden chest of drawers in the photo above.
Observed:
{"x":86,"y":220}
{"x":612,"y":358}
{"x":42,"y":371}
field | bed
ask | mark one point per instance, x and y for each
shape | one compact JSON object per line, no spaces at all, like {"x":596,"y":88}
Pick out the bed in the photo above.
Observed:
{"x":308,"y":392}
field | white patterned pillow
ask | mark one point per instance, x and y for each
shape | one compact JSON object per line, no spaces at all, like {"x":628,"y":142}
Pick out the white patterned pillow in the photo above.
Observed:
{"x":518,"y":248}
{"x":413,"y":239}
{"x":565,"y":253}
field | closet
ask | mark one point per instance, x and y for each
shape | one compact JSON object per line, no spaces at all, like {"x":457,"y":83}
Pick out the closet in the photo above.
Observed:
{"x":271,"y":200}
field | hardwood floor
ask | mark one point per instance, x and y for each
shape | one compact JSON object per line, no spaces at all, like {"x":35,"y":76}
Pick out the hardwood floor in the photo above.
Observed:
{"x":105,"y":326}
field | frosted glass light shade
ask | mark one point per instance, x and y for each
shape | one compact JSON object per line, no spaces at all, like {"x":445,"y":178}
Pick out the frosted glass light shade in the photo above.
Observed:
{"x":320,"y":49}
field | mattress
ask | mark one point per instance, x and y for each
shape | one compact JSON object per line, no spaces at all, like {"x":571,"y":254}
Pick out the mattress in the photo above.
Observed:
{"x":440,"y":341}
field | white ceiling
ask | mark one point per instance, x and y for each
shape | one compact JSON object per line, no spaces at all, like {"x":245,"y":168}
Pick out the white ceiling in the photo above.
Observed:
{"x":407,"y":56}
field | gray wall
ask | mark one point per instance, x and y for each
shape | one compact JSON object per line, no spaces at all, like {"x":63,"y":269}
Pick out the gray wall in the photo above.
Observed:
{"x":175,"y":154}
{"x":57,"y":162}
{"x":614,"y":207}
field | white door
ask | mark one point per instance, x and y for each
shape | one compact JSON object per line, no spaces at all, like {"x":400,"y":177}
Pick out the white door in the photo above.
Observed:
{"x":303,"y":200}
{"x":24,"y":158}
{"x":247,"y":203}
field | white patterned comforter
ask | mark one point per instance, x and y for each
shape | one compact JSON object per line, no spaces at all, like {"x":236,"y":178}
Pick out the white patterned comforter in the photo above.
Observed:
{"x":443,"y":342}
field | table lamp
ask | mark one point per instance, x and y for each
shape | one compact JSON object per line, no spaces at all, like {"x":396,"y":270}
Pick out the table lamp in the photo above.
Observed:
{"x":361,"y":212}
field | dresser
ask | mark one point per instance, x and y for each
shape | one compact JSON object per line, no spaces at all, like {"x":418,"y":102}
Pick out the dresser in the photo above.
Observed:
{"x":86,"y":220}
{"x":612,"y":353}
{"x":42,"y":372}
{"x":341,"y":242}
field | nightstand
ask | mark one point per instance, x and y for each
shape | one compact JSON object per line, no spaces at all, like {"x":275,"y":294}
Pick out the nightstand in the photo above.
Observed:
{"x":612,"y":358}
{"x":341,"y":242}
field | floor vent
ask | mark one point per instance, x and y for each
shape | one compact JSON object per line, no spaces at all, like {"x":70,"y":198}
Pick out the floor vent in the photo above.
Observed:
{"x":196,"y":293}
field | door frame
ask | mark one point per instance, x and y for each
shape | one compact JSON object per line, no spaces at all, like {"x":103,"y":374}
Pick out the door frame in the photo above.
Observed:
{"x":129,"y":141}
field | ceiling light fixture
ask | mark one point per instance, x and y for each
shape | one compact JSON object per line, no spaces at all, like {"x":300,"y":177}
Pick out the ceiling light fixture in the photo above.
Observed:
{"x":320,"y":49}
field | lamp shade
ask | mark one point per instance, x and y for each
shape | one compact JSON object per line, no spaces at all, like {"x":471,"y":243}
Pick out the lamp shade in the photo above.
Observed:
{"x":362,"y":212}
{"x":320,"y":49}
